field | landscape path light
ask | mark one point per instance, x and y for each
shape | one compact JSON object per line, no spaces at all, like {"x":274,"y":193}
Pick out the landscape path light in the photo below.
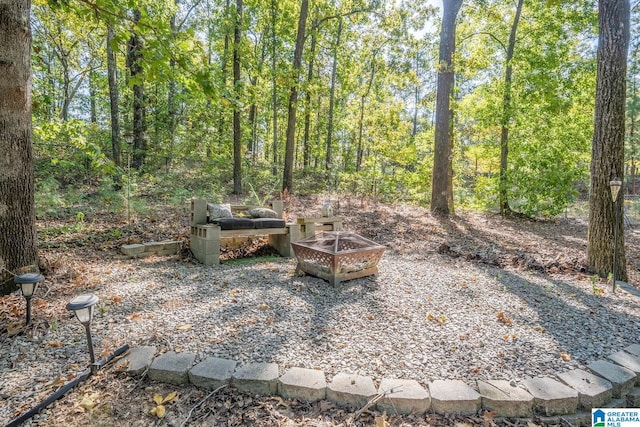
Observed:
{"x":28,"y":284}
{"x":615,"y":184}
{"x":82,"y":306}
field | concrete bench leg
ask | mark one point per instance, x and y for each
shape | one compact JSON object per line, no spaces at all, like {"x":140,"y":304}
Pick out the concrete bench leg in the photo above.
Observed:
{"x":205,"y":244}
{"x":282,"y":242}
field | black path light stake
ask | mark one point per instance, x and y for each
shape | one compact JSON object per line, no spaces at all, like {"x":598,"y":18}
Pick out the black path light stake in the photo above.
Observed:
{"x":615,"y":185}
{"x":82,"y":306}
{"x":28,"y":284}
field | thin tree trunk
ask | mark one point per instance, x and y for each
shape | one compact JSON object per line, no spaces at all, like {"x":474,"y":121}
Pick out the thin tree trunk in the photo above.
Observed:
{"x":172,"y":109}
{"x":225,"y":58}
{"x":442,"y":183}
{"x":307,"y":106}
{"x":287,"y":179}
{"x":18,"y":243}
{"x":113,"y":100}
{"x":134,"y":60}
{"x":274,"y":88}
{"x":237,"y":130}
{"x":607,"y":153}
{"x":328,"y":163}
{"x":506,"y":114}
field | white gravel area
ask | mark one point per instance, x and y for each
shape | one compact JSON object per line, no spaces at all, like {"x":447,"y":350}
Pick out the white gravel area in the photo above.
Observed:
{"x":422,"y":317}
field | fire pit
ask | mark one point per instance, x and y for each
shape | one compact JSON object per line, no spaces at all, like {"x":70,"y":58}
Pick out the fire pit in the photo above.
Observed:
{"x":336,"y":256}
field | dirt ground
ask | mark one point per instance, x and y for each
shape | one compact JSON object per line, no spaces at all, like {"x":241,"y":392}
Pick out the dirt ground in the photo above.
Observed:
{"x":110,"y":398}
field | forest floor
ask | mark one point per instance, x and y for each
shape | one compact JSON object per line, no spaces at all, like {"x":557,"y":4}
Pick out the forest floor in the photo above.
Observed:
{"x":70,"y":246}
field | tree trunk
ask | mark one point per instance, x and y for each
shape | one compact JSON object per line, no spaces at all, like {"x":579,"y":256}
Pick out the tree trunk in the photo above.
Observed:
{"x":306,"y":147}
{"x":328,"y":163}
{"x":225,"y":57}
{"x":114,"y":102}
{"x":18,"y":243}
{"x":172,"y":109}
{"x":442,"y":183}
{"x":506,"y":114}
{"x":287,"y":179}
{"x":607,"y":154}
{"x":237,"y":131}
{"x":134,"y":61}
{"x":274,"y":87}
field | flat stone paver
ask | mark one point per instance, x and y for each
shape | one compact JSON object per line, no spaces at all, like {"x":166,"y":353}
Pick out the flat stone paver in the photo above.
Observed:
{"x":138,"y":360}
{"x":353,"y":391}
{"x":303,"y":384}
{"x":620,"y":377}
{"x":593,"y":391}
{"x":212,"y":372}
{"x":453,"y":397}
{"x":627,"y":360}
{"x":505,"y":400}
{"x":633,"y":398}
{"x":403,"y":397}
{"x":633,"y":349}
{"x":551,"y":397}
{"x":172,"y":367}
{"x":257,"y":378}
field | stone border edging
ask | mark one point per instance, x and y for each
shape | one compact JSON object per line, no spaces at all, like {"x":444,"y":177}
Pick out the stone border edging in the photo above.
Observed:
{"x":569,"y":395}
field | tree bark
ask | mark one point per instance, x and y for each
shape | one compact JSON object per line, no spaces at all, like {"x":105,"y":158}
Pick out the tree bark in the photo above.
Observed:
{"x":274,"y":86}
{"x":134,"y":61}
{"x":442,"y":182}
{"x":328,"y":163}
{"x":114,"y":102}
{"x":506,"y":114}
{"x":237,"y":131}
{"x":607,"y":153}
{"x":306,"y":146}
{"x":18,"y":243}
{"x":287,"y":179}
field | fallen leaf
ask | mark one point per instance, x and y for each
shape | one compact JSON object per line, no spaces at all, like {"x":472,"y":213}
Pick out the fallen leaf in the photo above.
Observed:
{"x":14,"y":329}
{"x":565,"y":357}
{"x":133,"y":316}
{"x":87,"y":403}
{"x":170,"y":397}
{"x":184,"y":327}
{"x":263,"y":307}
{"x":54,"y":344}
{"x":116,"y":299}
{"x":381,"y":421}
{"x":157,"y":398}
{"x":160,"y":411}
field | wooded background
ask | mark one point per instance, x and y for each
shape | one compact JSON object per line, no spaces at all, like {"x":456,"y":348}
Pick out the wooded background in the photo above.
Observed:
{"x":201,"y":91}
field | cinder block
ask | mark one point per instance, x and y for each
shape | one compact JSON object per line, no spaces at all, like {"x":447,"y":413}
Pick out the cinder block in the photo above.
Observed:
{"x":212,"y":372}
{"x":403,"y":397}
{"x":504,"y":399}
{"x":172,"y":367}
{"x":303,"y":384}
{"x":351,"y":390}
{"x":593,"y":391}
{"x":552,"y":397}
{"x":453,"y":397}
{"x":257,"y":378}
{"x":132,"y":250}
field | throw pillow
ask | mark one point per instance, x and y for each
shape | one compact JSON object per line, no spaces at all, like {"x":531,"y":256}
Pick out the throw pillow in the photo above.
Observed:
{"x":219,"y":211}
{"x":263,"y":213}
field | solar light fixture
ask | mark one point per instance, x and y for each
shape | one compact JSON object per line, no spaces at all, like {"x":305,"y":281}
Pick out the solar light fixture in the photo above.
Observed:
{"x":615,"y":184}
{"x":28,"y":284}
{"x":82,"y":306}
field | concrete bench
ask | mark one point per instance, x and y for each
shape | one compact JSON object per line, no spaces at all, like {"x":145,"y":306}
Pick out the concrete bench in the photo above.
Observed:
{"x":205,"y":237}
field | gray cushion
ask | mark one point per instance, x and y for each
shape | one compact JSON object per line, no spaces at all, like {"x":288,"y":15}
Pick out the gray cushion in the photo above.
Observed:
{"x":263,"y":213}
{"x":234,"y":223}
{"x":268,"y":222}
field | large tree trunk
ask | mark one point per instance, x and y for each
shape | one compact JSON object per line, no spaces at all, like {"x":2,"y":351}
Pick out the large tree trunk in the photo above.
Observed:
{"x":134,"y":61}
{"x":18,"y":244}
{"x":328,"y":162}
{"x":237,"y":131}
{"x":442,"y":185}
{"x":607,"y":153}
{"x":506,"y":114}
{"x":114,"y":101}
{"x":287,"y":178}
